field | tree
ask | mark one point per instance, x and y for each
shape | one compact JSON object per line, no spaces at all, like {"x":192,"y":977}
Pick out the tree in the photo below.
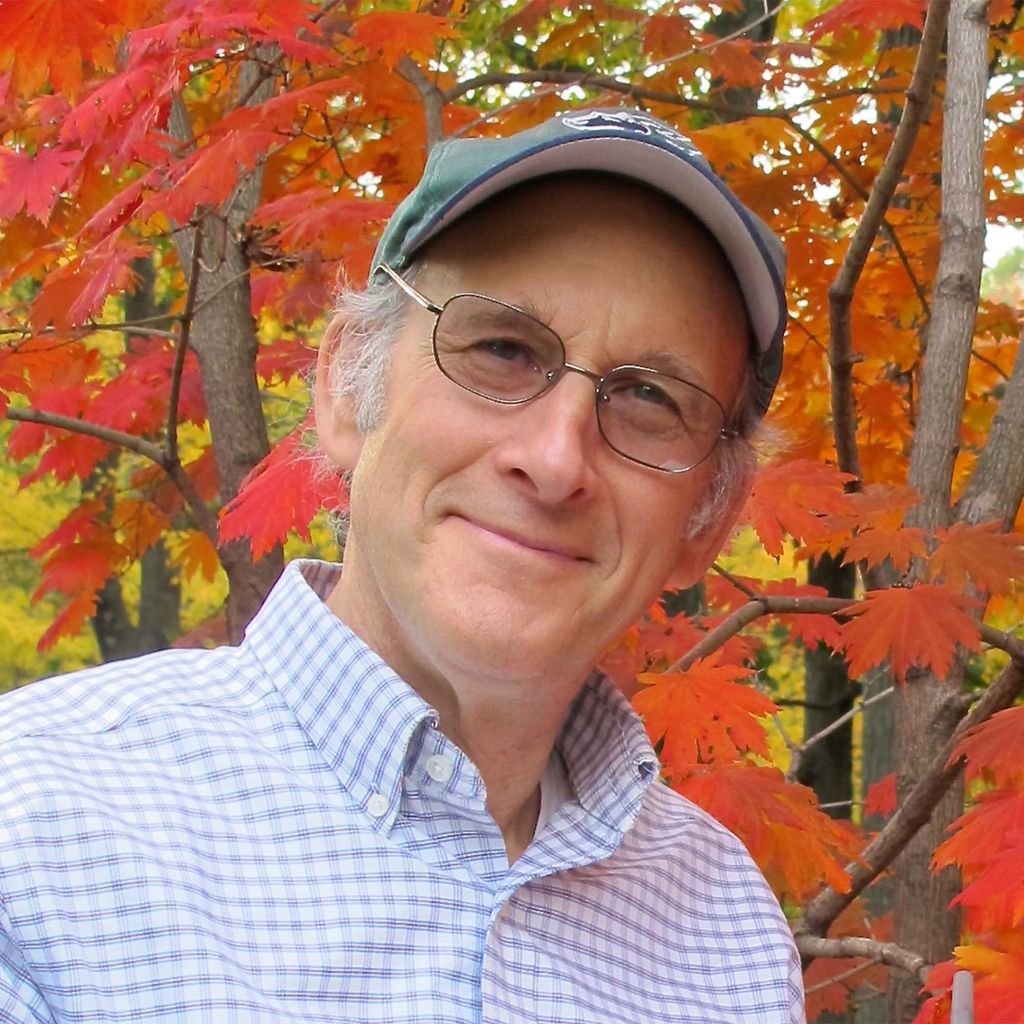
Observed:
{"x":249,"y":155}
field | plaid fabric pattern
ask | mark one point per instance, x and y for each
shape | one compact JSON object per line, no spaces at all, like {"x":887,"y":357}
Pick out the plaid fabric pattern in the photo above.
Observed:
{"x":279,"y":833}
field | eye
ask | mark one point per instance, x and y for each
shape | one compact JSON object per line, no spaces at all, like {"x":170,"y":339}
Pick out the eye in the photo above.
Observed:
{"x":634,"y":390}
{"x":506,"y":350}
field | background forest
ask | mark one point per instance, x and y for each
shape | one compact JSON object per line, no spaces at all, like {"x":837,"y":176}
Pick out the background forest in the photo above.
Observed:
{"x":182,"y":185}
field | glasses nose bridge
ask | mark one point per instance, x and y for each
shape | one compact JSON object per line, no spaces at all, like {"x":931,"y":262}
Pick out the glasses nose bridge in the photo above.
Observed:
{"x":596,"y":378}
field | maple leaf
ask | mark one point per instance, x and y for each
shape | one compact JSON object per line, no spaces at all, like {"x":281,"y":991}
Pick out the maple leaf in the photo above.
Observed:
{"x":908,"y":626}
{"x":141,"y":523}
{"x":983,"y":554}
{"x":881,"y":796}
{"x":992,"y":749}
{"x":795,"y":844}
{"x":899,"y":546}
{"x":792,"y":498}
{"x":981,"y":833}
{"x":703,"y":714}
{"x":282,"y":493}
{"x":867,"y":15}
{"x":195,"y":555}
{"x":47,"y":40}
{"x":34,"y":183}
{"x":393,"y":34}
{"x":655,"y":641}
{"x":69,"y":620}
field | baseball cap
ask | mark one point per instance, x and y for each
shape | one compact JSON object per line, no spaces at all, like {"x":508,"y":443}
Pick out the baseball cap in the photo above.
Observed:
{"x":462,"y":173}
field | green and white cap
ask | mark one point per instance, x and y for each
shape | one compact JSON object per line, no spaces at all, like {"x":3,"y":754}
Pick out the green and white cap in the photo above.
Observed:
{"x":463,"y":173}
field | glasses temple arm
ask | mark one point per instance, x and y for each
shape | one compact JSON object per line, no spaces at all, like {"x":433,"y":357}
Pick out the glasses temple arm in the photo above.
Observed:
{"x":409,"y":290}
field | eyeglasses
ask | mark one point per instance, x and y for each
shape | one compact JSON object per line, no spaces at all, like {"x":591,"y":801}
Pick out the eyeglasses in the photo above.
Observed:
{"x":501,"y":353}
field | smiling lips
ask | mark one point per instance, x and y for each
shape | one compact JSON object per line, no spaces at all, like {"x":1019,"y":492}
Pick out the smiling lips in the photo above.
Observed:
{"x":513,"y":538}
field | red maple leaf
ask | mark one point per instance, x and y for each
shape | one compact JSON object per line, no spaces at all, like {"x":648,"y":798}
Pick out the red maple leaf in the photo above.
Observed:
{"x":993,"y":749}
{"x":881,"y":796}
{"x":909,"y":626}
{"x":34,"y":183}
{"x":281,"y":494}
{"x":703,"y":714}
{"x":793,"y":498}
{"x":991,"y":559}
{"x":867,"y":15}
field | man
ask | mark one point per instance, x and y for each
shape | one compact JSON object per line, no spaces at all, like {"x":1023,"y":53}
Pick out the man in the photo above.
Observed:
{"x":406,"y":796}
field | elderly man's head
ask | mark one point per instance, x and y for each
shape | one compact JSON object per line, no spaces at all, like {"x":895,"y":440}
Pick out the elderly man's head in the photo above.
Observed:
{"x":545,"y":400}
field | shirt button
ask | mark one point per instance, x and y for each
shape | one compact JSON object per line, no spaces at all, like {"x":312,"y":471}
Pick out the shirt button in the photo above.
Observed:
{"x":439,"y":768}
{"x":377,"y":805}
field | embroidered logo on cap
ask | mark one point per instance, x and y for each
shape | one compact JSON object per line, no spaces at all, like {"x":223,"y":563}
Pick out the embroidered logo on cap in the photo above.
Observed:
{"x":630,"y":123}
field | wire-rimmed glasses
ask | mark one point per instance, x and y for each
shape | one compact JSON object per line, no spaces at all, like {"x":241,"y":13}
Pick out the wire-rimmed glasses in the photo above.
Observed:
{"x":500,"y":352}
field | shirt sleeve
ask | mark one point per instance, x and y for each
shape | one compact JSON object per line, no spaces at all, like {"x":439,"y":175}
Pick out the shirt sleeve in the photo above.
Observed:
{"x":21,"y":1002}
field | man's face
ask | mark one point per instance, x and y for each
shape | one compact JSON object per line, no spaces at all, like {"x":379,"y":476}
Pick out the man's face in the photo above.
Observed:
{"x":511,"y":541}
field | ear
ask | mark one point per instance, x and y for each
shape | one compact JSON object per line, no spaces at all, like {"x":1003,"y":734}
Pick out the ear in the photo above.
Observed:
{"x":337,"y":434}
{"x":701,"y":548}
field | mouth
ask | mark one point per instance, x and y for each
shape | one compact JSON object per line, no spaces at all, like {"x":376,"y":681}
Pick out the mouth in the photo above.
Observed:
{"x":547,"y":548}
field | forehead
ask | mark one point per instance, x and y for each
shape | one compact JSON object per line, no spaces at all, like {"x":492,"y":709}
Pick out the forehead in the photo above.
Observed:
{"x":601,"y":260}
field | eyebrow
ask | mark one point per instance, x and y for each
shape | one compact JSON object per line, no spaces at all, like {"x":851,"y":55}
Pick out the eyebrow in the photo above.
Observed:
{"x":662,"y":360}
{"x":673,"y":364}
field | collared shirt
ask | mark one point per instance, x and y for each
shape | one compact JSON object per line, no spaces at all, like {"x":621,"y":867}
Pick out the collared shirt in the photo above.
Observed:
{"x":279,"y":832}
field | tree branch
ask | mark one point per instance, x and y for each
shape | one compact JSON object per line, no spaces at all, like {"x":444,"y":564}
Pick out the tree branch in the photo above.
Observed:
{"x":915,"y":810}
{"x":835,"y":724}
{"x":181,"y":351}
{"x":115,"y":437}
{"x":812,"y":946}
{"x":433,"y":99}
{"x":752,"y":610}
{"x":996,"y":486}
{"x":844,"y":414}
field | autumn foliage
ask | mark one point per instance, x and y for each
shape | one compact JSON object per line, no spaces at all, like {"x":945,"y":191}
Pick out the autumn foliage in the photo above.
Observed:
{"x":183,"y":183}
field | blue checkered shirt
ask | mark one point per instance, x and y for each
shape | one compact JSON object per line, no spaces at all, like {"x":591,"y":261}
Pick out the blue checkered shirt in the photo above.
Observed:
{"x":278,"y":832}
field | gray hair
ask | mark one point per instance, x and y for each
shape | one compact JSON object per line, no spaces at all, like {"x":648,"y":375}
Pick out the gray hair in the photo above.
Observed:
{"x":367,"y":322}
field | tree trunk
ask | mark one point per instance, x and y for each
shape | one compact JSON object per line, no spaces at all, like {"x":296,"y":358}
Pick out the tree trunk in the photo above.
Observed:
{"x":223,"y":335}
{"x":923,"y":724}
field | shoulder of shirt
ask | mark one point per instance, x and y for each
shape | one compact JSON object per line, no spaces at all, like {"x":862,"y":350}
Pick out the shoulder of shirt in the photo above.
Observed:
{"x":106,"y":697}
{"x":671,"y":826}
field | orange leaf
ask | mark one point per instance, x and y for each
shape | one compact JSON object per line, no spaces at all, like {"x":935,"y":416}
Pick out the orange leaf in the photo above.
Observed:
{"x":980,"y":553}
{"x":980,"y":835}
{"x":881,"y":797}
{"x":141,"y":523}
{"x":703,"y":714}
{"x":393,"y":34}
{"x":875,"y":546}
{"x":195,"y":555}
{"x":69,"y":620}
{"x":47,"y":41}
{"x":908,"y":626}
{"x":868,"y":15}
{"x":792,"y":498}
{"x":993,"y":749}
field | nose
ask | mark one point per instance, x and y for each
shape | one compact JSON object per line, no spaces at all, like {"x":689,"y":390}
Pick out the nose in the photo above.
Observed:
{"x":553,"y":440}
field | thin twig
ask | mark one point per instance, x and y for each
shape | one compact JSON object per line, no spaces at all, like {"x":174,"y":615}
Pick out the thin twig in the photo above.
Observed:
{"x":813,"y":946}
{"x":837,"y":979}
{"x":844,"y":415}
{"x":107,"y":434}
{"x":182,"y":349}
{"x":833,"y":726}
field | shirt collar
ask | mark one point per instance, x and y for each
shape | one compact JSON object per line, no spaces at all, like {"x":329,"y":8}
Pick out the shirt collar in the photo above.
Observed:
{"x":358,"y":713}
{"x":362,"y":716}
{"x":607,"y":753}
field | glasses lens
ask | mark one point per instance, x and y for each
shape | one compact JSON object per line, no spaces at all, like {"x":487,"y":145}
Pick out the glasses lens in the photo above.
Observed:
{"x":658,"y":420}
{"x":495,"y":350}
